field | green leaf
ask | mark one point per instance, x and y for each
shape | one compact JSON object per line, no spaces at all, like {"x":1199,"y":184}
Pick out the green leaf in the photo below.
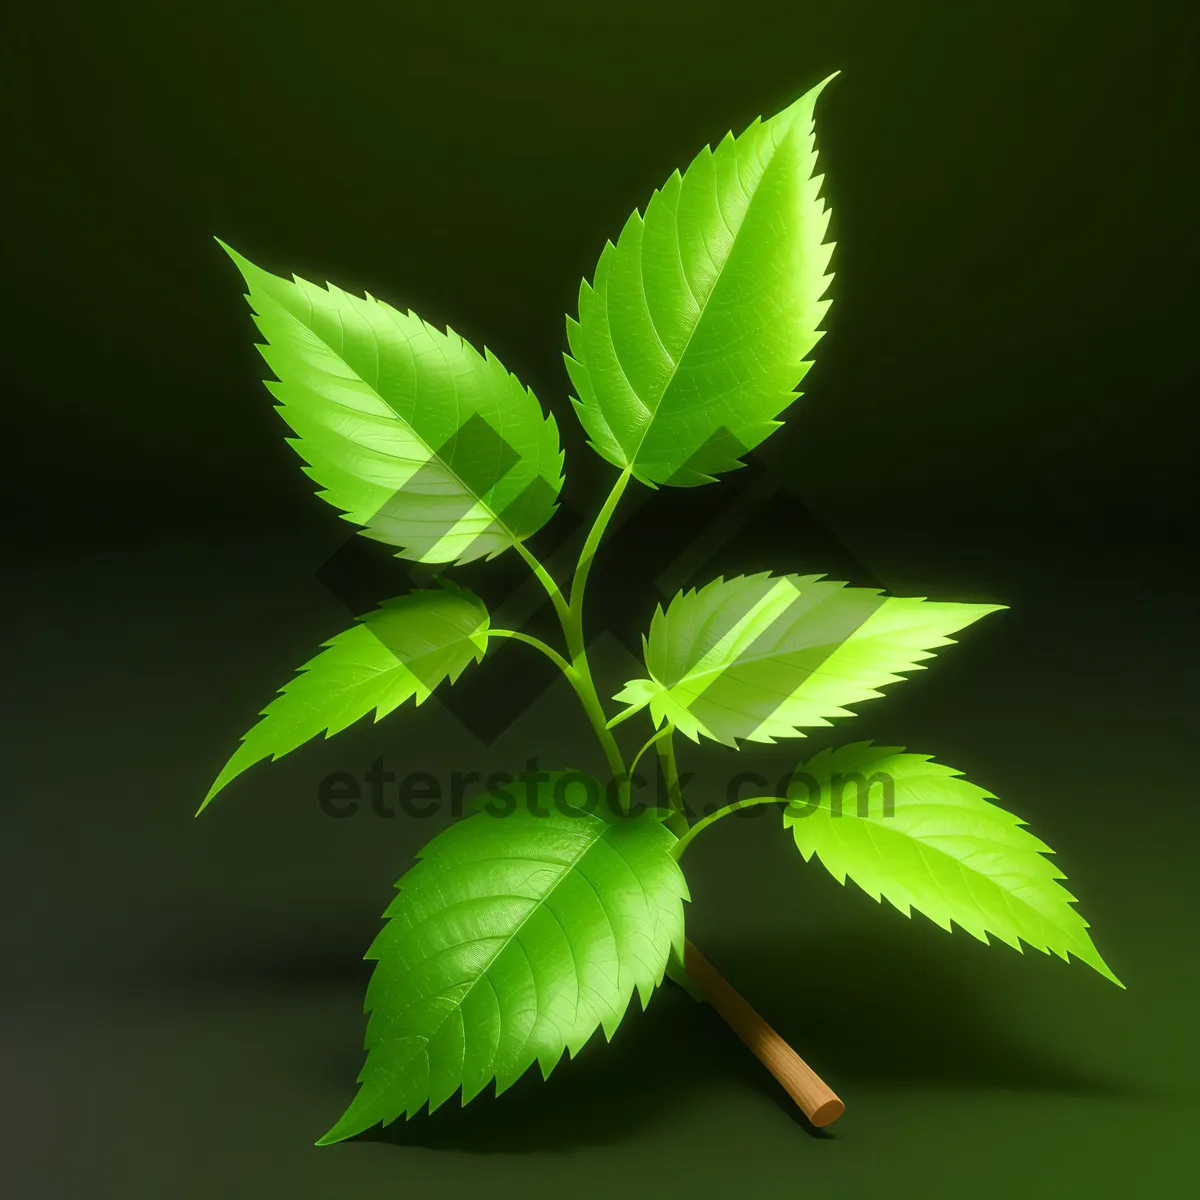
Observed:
{"x":431,"y":447}
{"x":514,"y":938}
{"x":399,"y":652}
{"x":942,"y":849}
{"x":694,"y":334}
{"x":760,"y":657}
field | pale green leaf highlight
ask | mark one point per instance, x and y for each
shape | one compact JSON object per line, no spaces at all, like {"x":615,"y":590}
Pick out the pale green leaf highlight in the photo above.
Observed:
{"x":399,"y":652}
{"x":695,"y":332}
{"x":513,"y":940}
{"x":430,"y":446}
{"x":911,"y":831}
{"x":761,"y":657}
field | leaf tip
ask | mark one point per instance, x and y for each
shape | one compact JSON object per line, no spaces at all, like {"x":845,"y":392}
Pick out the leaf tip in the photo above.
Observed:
{"x":1103,"y":968}
{"x":816,"y":91}
{"x":211,"y":794}
{"x":805,"y":102}
{"x":349,"y":1125}
{"x":240,"y":259}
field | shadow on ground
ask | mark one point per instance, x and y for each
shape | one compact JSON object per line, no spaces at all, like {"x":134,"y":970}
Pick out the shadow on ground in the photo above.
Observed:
{"x":881,"y":1018}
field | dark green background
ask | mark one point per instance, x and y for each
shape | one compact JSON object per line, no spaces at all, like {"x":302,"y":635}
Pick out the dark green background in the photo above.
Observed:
{"x":1003,"y":409}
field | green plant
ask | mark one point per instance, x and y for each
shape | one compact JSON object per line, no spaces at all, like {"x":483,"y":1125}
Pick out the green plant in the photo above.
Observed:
{"x":524,"y":928}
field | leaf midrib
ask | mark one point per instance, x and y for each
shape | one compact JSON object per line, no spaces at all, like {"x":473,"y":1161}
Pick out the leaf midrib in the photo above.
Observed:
{"x":721,"y":276}
{"x":437,"y":339}
{"x":306,"y":674}
{"x":738,"y":660}
{"x":874,"y":827}
{"x":509,"y":938}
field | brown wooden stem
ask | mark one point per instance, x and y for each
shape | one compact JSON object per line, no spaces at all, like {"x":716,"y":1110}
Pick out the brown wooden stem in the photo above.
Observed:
{"x":810,"y":1092}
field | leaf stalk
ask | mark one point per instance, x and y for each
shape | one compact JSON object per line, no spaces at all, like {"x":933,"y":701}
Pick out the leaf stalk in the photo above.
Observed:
{"x":705,"y":822}
{"x":570,"y":617}
{"x":537,"y":643}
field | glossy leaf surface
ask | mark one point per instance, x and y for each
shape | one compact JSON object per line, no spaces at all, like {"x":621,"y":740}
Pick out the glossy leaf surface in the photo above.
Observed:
{"x":696,"y":329}
{"x":911,"y":831}
{"x":399,"y":652}
{"x":430,"y":446}
{"x":760,"y":657}
{"x":513,"y":940}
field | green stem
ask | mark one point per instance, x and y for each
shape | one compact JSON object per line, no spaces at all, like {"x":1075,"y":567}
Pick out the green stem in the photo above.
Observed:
{"x":682,"y":844}
{"x":547,"y":581}
{"x":592,"y":543}
{"x":677,"y":822}
{"x":572,"y":623}
{"x":570,"y":617}
{"x":629,"y":712}
{"x":549,"y":651}
{"x":637,"y":758}
{"x":586,"y":690}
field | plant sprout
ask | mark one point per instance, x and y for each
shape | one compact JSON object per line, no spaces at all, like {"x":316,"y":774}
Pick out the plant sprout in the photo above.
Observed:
{"x":529,"y":924}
